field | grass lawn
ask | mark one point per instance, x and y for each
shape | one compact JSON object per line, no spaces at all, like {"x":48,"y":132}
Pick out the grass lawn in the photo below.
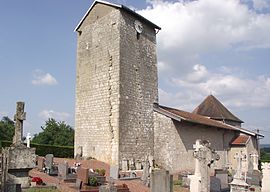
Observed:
{"x":41,"y":190}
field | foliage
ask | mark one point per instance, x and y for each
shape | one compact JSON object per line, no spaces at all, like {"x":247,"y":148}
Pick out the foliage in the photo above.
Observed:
{"x":177,"y":182}
{"x":265,"y":157}
{"x":93,"y":181}
{"x":55,"y":133}
{"x":49,"y":189}
{"x":42,"y":150}
{"x":57,"y":151}
{"x":7,"y":128}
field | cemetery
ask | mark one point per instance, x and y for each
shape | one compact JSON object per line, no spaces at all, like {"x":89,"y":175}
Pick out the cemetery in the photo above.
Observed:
{"x":131,"y":143}
{"x":22,"y":170}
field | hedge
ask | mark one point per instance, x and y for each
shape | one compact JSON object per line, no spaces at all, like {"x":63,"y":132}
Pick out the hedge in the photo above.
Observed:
{"x":42,"y":150}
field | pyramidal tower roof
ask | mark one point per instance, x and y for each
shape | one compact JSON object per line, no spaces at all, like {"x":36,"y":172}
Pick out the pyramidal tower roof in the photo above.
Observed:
{"x":213,"y":108}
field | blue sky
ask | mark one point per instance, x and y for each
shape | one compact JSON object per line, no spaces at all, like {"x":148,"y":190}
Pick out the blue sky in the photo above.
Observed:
{"x":206,"y":46}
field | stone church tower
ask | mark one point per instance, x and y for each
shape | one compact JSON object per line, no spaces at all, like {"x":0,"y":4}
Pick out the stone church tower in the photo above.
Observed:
{"x":116,"y":84}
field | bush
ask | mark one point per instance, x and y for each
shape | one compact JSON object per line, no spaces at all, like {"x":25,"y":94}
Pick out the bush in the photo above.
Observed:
{"x":93,"y":181}
{"x":177,"y":182}
{"x":57,"y":151}
{"x":42,"y":150}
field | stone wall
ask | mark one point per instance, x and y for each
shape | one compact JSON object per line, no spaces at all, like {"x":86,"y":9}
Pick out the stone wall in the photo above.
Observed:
{"x":138,"y":89}
{"x":116,"y":86}
{"x":97,"y":85}
{"x":174,"y":143}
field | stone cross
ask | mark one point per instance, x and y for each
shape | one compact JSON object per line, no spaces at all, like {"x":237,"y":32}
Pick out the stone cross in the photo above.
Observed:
{"x":19,"y":117}
{"x":255,"y":158}
{"x":239,"y":157}
{"x":28,"y":139}
{"x":238,"y":184}
{"x":204,"y":157}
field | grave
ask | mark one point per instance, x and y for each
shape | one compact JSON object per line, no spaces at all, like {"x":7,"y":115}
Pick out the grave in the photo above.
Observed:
{"x":40,"y":163}
{"x":161,"y":181}
{"x":204,"y":157}
{"x":50,"y":168}
{"x":266,"y":177}
{"x":239,"y":184}
{"x":222,"y":175}
{"x":63,"y":170}
{"x":18,"y":160}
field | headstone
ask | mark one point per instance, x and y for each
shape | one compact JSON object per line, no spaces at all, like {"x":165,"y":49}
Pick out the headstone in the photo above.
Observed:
{"x":215,"y":184}
{"x":78,"y":183}
{"x":160,"y":181}
{"x":266,"y":177}
{"x":204,"y":157}
{"x":255,"y":161}
{"x":132,"y":164}
{"x":18,"y":159}
{"x":28,"y":139}
{"x":83,"y":175}
{"x":222,"y":175}
{"x":239,"y":184}
{"x":49,"y":162}
{"x":125,"y":165}
{"x":63,"y":170}
{"x":19,"y":117}
{"x":146,"y":173}
{"x":114,"y":171}
{"x":151,"y":163}
{"x":138,"y":165}
{"x":40,"y":163}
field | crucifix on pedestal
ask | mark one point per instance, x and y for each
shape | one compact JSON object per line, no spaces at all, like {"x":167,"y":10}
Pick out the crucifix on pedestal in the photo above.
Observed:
{"x":19,"y":117}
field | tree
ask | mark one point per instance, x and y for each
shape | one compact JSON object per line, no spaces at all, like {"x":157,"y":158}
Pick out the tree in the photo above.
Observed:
{"x":7,"y":128}
{"x":55,"y":133}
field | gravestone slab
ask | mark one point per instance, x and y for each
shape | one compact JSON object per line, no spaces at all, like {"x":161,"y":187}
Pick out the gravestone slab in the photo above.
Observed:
{"x":160,"y":181}
{"x":125,"y":165}
{"x":223,"y":176}
{"x":49,"y":161}
{"x":63,"y":170}
{"x":78,"y":183}
{"x":114,"y":171}
{"x":238,"y":184}
{"x":215,"y":184}
{"x":83,"y":175}
{"x":40,"y":163}
{"x":138,"y":165}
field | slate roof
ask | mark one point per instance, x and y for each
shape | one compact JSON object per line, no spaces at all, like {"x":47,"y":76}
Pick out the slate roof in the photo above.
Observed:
{"x":213,"y":108}
{"x":180,"y":115}
{"x":122,"y":7}
{"x":241,"y":140}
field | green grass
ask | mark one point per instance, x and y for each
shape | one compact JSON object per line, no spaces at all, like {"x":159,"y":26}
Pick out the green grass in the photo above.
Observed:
{"x":41,"y":190}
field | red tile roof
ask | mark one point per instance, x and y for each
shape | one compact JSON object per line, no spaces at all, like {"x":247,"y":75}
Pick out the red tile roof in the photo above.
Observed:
{"x":194,"y":118}
{"x":180,"y":115}
{"x":240,"y":140}
{"x":213,"y":108}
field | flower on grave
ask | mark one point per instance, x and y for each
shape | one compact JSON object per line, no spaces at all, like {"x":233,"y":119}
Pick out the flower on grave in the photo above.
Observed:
{"x":38,"y":180}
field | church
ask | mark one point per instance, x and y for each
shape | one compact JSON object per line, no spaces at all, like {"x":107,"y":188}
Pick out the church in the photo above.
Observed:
{"x":117,"y":113}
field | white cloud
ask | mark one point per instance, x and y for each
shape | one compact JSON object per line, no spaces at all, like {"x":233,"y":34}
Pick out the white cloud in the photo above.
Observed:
{"x":193,"y":29}
{"x":261,"y":4}
{"x":234,"y":91}
{"x":207,"y":25}
{"x":3,"y":113}
{"x":41,"y":78}
{"x":59,"y":116}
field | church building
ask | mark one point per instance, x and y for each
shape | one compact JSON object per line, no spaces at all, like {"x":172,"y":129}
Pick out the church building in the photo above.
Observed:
{"x":117,"y":114}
